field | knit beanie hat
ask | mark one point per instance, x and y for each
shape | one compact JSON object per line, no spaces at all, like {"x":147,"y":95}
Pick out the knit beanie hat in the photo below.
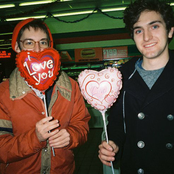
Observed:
{"x":18,"y":28}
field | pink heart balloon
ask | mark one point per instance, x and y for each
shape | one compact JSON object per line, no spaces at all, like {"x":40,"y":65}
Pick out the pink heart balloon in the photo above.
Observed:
{"x":100,"y":88}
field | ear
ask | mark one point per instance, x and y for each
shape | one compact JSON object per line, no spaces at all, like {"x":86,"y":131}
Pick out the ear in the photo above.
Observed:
{"x":171,"y":32}
{"x":17,"y":49}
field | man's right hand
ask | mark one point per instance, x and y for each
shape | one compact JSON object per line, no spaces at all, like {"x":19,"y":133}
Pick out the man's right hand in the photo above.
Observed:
{"x":107,"y":152}
{"x":44,"y":127}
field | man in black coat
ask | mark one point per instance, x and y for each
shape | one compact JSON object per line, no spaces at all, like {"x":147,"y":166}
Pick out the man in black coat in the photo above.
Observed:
{"x":141,"y":122}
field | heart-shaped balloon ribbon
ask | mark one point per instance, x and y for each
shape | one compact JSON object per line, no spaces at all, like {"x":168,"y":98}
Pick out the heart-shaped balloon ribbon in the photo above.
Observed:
{"x":100,"y":88}
{"x":40,"y":70}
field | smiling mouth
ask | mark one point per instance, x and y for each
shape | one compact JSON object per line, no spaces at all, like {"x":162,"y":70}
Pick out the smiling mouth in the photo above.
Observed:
{"x":149,"y":45}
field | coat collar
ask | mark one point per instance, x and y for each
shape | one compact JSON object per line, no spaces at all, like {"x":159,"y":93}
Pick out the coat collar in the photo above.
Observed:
{"x":63,"y":85}
{"x":17,"y":85}
{"x":19,"y":88}
{"x":137,"y":87}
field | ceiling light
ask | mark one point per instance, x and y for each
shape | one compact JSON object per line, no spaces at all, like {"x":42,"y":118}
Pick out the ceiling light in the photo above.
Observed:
{"x":7,"y":6}
{"x":22,"y":18}
{"x":5,"y":33}
{"x":4,"y":40}
{"x":64,"y":0}
{"x":67,"y":14}
{"x":55,"y":15}
{"x":5,"y":44}
{"x":74,"y":13}
{"x":40,"y":2}
{"x":4,"y":48}
{"x":36,"y":2}
{"x":113,"y":9}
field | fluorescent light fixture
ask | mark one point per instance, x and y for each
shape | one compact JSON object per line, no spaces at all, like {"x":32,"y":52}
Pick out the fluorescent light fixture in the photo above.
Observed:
{"x":7,"y":5}
{"x":4,"y":40}
{"x":171,"y":4}
{"x":113,"y":9}
{"x":5,"y":33}
{"x":22,"y":18}
{"x":64,"y":0}
{"x":74,"y":13}
{"x":55,"y":15}
{"x":5,"y":48}
{"x":5,"y":44}
{"x":35,"y":3}
{"x":40,"y":2}
{"x":67,"y":14}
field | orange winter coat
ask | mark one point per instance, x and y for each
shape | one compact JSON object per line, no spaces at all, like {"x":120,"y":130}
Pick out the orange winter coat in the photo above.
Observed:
{"x":21,"y":109}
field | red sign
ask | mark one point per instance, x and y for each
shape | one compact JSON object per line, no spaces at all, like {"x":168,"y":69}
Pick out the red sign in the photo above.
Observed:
{"x":115,"y":52}
{"x":5,"y":54}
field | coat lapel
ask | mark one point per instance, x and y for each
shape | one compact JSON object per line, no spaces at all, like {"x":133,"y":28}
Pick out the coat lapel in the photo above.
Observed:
{"x":164,"y":83}
{"x":138,"y":88}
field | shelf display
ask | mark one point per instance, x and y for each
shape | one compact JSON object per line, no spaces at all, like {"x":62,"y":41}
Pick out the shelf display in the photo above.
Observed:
{"x":73,"y":69}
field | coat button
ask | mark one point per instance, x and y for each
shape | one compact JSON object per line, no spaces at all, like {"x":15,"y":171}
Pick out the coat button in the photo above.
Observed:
{"x":45,"y":149}
{"x":141,"y":115}
{"x":170,"y":117}
{"x":43,"y":113}
{"x":140,"y":171}
{"x":141,"y":144}
{"x":169,"y":146}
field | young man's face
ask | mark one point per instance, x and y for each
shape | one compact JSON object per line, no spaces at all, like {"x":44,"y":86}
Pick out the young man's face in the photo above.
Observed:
{"x":33,"y":40}
{"x":150,"y":35}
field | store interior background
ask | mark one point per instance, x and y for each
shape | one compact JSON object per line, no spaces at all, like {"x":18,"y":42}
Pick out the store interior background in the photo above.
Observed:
{"x":97,"y":30}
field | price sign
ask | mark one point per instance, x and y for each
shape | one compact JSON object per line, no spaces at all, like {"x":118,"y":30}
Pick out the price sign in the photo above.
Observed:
{"x":115,"y":52}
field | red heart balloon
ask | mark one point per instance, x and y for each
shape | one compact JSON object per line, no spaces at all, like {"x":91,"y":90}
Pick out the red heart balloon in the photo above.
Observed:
{"x":40,"y":70}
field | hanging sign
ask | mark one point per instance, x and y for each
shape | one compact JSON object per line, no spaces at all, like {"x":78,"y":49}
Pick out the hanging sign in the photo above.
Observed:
{"x":115,"y":52}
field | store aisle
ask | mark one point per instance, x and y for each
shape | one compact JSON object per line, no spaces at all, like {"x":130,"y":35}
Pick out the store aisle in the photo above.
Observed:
{"x":86,"y":156}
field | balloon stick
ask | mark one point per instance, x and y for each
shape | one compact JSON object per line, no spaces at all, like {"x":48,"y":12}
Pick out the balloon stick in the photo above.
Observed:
{"x":106,"y":135}
{"x":47,"y":116}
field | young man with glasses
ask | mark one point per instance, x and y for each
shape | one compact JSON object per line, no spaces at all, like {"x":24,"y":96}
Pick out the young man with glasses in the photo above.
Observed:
{"x":26,"y":134}
{"x":141,"y":122}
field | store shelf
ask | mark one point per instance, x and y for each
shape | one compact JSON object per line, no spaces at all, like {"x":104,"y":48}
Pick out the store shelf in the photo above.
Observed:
{"x":73,"y":69}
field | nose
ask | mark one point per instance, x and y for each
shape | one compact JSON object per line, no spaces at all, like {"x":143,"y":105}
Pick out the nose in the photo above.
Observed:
{"x":37,"y":47}
{"x":147,"y":35}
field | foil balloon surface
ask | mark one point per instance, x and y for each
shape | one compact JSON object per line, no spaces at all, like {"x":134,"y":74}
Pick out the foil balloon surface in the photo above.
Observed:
{"x":40,"y":70}
{"x":100,"y":88}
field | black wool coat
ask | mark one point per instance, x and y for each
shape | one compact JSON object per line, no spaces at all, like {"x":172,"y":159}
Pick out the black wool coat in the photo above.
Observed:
{"x":141,"y":122}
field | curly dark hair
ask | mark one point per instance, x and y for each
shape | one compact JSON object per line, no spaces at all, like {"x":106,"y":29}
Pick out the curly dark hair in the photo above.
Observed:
{"x":133,"y":11}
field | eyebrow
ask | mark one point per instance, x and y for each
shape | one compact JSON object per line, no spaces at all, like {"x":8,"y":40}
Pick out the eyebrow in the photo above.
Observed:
{"x":151,"y":23}
{"x":33,"y":39}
